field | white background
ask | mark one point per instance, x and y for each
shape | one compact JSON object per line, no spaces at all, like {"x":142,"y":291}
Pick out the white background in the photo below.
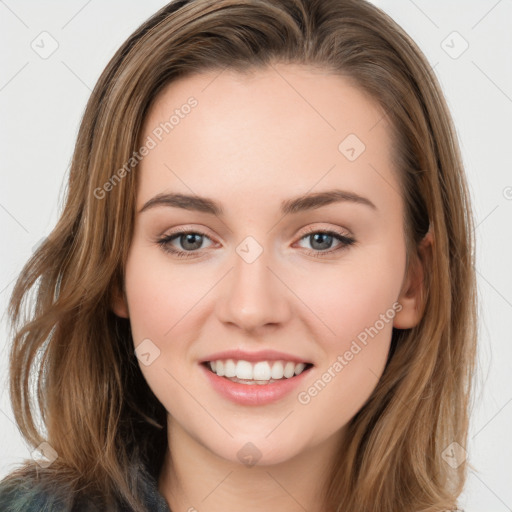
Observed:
{"x":42,"y":100}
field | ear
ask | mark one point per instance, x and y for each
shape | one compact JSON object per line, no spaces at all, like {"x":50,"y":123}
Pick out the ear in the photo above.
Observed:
{"x":413,"y":290}
{"x":119,"y":304}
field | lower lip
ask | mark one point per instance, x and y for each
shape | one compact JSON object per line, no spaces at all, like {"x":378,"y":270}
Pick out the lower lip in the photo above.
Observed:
{"x":253,"y":394}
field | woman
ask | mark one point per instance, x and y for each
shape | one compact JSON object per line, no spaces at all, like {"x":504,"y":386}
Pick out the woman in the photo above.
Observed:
{"x":249,"y":371}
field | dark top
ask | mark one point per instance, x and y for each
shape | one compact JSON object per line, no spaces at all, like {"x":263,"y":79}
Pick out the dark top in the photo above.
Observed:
{"x":34,"y":495}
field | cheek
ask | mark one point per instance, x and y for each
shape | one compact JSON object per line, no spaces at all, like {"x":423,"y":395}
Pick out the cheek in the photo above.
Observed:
{"x":358,"y":302}
{"x":158,"y":299}
{"x":351,"y":296}
{"x":159,"y":293}
{"x":355,"y":357}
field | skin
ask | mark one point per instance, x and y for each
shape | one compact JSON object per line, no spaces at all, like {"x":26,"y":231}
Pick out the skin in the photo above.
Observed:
{"x":252,"y":142}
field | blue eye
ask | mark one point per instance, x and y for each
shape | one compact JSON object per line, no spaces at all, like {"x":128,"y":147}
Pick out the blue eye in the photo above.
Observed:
{"x":189,"y":240}
{"x":324,"y":239}
{"x":192,"y":241}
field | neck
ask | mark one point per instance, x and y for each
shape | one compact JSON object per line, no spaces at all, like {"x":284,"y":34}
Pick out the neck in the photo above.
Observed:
{"x":194,"y":479}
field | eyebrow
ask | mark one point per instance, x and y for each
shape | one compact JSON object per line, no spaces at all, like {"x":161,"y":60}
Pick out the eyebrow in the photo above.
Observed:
{"x":289,"y":206}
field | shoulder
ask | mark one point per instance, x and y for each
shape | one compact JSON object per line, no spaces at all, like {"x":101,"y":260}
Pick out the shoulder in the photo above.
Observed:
{"x":34,"y":489}
{"x":29,"y":492}
{"x":17,"y":496}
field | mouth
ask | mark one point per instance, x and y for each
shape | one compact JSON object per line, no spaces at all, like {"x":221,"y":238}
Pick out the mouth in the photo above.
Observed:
{"x":255,"y":378}
{"x":256,"y":372}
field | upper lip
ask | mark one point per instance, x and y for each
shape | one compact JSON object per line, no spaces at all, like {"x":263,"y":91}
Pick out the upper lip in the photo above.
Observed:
{"x":261,"y":355}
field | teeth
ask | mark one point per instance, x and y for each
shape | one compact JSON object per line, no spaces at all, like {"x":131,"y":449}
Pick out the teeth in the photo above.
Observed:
{"x":299,"y":368}
{"x":230,"y":368}
{"x":244,"y":370}
{"x":261,"y":372}
{"x":289,"y":370}
{"x":277,"y":370}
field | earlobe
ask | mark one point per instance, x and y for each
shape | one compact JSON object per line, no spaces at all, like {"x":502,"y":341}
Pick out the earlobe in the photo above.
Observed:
{"x":412,"y":295}
{"x":119,"y":304}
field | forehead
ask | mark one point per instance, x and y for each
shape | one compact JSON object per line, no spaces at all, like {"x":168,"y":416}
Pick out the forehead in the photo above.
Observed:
{"x":282,"y":128}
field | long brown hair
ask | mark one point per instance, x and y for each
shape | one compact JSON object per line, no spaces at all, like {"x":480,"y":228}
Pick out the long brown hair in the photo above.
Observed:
{"x":101,"y":417}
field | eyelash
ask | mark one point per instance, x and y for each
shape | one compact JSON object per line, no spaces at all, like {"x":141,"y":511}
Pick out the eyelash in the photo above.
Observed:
{"x":164,"y":242}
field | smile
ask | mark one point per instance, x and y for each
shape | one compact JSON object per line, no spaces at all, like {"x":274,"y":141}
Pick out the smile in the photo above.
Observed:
{"x":257,"y":385}
{"x":260,"y":372}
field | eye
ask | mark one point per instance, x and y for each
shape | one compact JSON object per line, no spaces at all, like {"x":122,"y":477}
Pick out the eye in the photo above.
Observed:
{"x":321,"y":241}
{"x":189,"y":240}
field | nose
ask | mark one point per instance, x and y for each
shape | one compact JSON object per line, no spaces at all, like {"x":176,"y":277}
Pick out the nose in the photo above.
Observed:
{"x":253,"y":296}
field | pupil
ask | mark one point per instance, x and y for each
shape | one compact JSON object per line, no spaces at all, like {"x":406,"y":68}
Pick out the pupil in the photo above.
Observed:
{"x":189,"y":238}
{"x":321,"y":235}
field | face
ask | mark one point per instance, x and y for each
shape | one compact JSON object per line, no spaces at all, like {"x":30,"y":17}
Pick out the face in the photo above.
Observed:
{"x":295,"y":255}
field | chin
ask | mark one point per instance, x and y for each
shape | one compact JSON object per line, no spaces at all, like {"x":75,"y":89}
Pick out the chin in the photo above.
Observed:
{"x":258,"y":450}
